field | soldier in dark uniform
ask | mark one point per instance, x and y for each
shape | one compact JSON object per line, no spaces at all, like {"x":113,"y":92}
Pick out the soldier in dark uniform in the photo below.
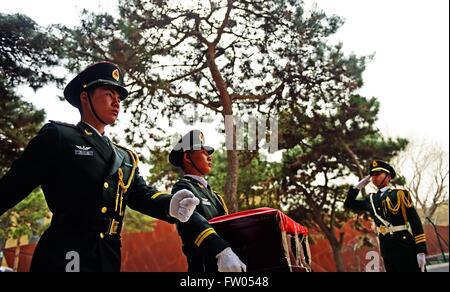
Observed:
{"x":205,"y":250}
{"x":402,"y":240}
{"x":87,"y":180}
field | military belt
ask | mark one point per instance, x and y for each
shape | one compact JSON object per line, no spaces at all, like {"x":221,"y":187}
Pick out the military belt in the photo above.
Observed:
{"x":391,"y":229}
{"x":105,"y":225}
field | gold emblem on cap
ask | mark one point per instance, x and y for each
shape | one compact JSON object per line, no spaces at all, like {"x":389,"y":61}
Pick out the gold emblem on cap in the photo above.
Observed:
{"x":201,"y":138}
{"x":116,"y":74}
{"x":374,"y":164}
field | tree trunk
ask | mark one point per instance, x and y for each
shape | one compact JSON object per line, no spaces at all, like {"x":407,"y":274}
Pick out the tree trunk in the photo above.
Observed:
{"x":340,"y":267}
{"x":329,"y":234}
{"x":17,"y":256}
{"x":232,"y":181}
{"x":232,"y":155}
{"x":335,"y":246}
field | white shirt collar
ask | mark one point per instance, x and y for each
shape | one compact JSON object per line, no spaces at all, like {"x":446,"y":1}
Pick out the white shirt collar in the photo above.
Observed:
{"x":384,"y":189}
{"x":199,"y":179}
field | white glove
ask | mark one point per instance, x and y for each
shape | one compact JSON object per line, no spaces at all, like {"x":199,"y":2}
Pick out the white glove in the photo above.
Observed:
{"x":362,"y":183}
{"x":421,"y":261}
{"x":228,"y":261}
{"x":182,"y":205}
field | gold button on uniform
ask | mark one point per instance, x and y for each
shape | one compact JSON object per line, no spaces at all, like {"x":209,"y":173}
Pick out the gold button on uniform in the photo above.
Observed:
{"x":404,"y":237}
{"x":102,"y":235}
{"x":105,"y":185}
{"x":104,"y":209}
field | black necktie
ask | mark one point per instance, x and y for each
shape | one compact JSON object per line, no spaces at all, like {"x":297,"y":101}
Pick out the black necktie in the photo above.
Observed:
{"x":107,"y":141}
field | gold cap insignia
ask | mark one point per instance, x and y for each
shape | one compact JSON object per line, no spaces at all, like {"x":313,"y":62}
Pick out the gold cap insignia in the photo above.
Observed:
{"x":116,"y":74}
{"x":374,"y":164}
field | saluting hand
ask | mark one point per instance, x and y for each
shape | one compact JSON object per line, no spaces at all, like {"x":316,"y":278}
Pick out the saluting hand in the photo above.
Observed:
{"x":182,"y":205}
{"x":362,"y":183}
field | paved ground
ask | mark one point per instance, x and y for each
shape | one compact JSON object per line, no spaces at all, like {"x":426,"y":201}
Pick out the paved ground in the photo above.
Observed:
{"x":438,"y":268}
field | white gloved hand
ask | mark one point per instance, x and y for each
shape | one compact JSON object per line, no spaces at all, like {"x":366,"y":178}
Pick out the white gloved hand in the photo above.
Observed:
{"x":182,"y":205}
{"x":421,"y":261}
{"x":362,"y":183}
{"x":228,"y":261}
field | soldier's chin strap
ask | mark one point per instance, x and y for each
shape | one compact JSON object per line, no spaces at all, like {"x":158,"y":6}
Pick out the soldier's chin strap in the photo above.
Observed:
{"x":93,"y":110}
{"x":385,"y":177}
{"x":193,"y":164}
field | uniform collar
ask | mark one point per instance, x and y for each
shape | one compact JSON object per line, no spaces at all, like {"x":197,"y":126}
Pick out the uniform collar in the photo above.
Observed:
{"x":199,"y":179}
{"x":93,"y":128}
{"x":384,"y":189}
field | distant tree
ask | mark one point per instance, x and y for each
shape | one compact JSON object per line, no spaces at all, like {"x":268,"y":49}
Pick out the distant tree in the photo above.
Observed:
{"x":257,"y":187}
{"x":428,"y":179}
{"x":135,"y":221}
{"x":27,"y":54}
{"x":26,"y":219}
{"x":323,"y":154}
{"x":205,"y":58}
{"x":161,"y":171}
{"x":19,"y":122}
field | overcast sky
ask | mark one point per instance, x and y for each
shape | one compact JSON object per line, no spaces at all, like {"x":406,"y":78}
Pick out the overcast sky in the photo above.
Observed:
{"x":409,"y":74}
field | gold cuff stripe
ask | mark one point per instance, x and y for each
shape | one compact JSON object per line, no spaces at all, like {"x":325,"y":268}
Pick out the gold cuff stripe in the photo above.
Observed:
{"x":205,"y":233}
{"x":420,"y":241}
{"x":158,"y":194}
{"x":420,"y":235}
{"x":205,"y":236}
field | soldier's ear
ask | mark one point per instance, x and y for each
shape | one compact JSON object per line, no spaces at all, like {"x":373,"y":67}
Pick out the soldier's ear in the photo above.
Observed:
{"x":84,"y":102}
{"x":83,"y":98}
{"x":186,"y":159}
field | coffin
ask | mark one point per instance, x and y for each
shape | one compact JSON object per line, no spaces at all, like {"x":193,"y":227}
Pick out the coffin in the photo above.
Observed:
{"x":266,"y":240}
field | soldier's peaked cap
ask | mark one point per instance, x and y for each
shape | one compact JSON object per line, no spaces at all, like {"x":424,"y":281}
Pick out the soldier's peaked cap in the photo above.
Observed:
{"x":379,"y":165}
{"x":193,"y":140}
{"x":101,"y":73}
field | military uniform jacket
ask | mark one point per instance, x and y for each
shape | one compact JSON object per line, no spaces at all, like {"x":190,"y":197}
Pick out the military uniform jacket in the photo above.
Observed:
{"x":87,"y":182}
{"x":395,"y":206}
{"x":201,"y":243}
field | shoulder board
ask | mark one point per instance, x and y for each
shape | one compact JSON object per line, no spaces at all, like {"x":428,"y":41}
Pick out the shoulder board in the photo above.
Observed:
{"x":192,"y":181}
{"x":133,"y":154}
{"x":63,"y":124}
{"x":397,"y":190}
{"x":122,"y":147}
{"x":185,"y":182}
{"x":125,"y":148}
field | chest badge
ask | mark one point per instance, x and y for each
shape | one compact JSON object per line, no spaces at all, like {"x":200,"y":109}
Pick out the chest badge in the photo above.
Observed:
{"x":83,"y":151}
{"x":206,"y":202}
